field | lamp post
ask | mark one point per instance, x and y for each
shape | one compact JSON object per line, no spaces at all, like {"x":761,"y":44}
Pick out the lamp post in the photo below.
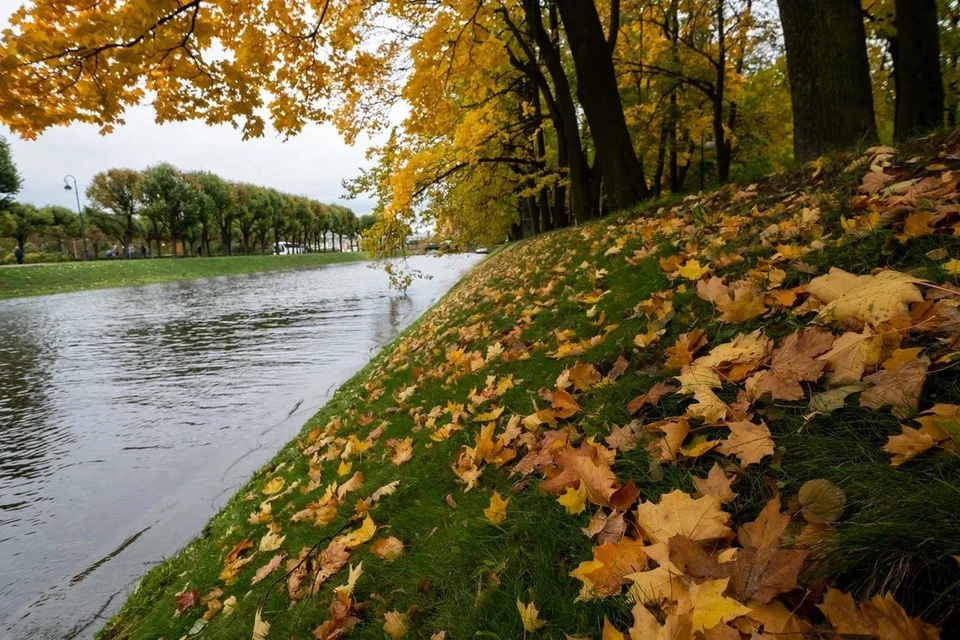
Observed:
{"x":76,"y":192}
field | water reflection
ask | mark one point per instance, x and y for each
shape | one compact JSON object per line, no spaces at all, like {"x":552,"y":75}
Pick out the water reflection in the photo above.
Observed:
{"x":109,"y":399}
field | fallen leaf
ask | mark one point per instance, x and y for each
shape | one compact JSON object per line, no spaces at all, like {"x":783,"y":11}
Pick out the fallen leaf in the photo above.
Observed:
{"x":748,"y":441}
{"x":793,"y":362}
{"x":275,"y":485}
{"x":396,"y":624}
{"x":678,"y":513}
{"x":710,"y":608}
{"x":652,"y":396}
{"x":573,"y":500}
{"x":268,"y":568}
{"x":497,"y":511}
{"x":716,"y":484}
{"x":388,"y":549}
{"x":606,"y":574}
{"x":261,"y":628}
{"x":529,"y":616}
{"x":899,"y":390}
{"x":869,"y":299}
{"x":822,"y":501}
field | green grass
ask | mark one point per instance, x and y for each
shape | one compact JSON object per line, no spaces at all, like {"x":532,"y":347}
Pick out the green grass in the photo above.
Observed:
{"x":463,"y":574}
{"x":76,"y":276}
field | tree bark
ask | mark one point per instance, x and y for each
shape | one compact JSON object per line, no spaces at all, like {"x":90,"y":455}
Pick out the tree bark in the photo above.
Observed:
{"x":829,"y":75}
{"x":599,"y":96}
{"x":919,"y":82}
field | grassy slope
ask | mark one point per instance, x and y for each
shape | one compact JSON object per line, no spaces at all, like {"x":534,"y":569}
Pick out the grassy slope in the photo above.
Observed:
{"x":464,"y":574}
{"x":76,"y":276}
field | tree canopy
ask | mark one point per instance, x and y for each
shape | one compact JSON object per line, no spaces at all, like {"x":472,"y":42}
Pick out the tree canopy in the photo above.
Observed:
{"x":518,"y":115}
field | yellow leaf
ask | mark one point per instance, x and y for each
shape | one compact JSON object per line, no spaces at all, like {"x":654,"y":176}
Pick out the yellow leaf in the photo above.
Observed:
{"x":396,"y":624}
{"x":529,"y":616}
{"x":574,"y":500}
{"x":692,"y":270}
{"x":344,"y":468}
{"x":261,"y":628}
{"x":710,"y":608}
{"x":359,"y":536}
{"x":952,"y":267}
{"x":678,"y":513}
{"x":610,"y":632}
{"x":497,"y":510}
{"x":274,"y":486}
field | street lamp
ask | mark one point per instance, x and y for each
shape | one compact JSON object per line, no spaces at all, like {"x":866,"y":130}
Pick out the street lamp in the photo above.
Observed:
{"x":76,"y":192}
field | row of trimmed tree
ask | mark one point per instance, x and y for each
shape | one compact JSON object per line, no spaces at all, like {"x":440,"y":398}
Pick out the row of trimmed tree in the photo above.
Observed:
{"x":194,"y":213}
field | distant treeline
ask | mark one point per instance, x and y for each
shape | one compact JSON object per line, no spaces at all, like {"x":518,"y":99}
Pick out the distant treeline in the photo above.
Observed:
{"x":164,"y":211}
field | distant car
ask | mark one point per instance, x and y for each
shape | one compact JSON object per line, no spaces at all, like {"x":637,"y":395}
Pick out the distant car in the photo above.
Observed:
{"x":481,"y":250}
{"x":432,"y":246}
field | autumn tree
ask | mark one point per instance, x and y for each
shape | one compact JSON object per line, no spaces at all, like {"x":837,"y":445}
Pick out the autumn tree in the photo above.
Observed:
{"x":829,"y":75}
{"x":20,"y":220}
{"x":118,"y":192}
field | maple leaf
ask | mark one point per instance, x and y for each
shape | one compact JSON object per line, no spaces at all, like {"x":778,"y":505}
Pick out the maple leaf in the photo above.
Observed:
{"x":402,"y":452}
{"x":396,"y":624}
{"x":186,"y":600}
{"x":586,"y":469}
{"x":710,"y":608}
{"x":563,"y":405}
{"x":692,"y":270}
{"x":388,"y":549}
{"x":261,"y":628}
{"x":583,"y":376}
{"x":873,"y":181}
{"x":529,"y":616}
{"x":623,"y":438}
{"x":745,"y":304}
{"x":868,"y":299}
{"x":352,"y":577}
{"x":716,"y":484}
{"x":684,"y":349}
{"x":708,"y":407}
{"x":269,"y":568}
{"x":748,"y":441}
{"x":272,"y":540}
{"x":275,"y":485}
{"x":573,"y":500}
{"x":497,"y":511}
{"x":647,"y":627}
{"x":792,"y":362}
{"x":652,"y":395}
{"x":881,"y":616}
{"x":899,"y":390}
{"x":360,"y":535}
{"x":678,"y":513}
{"x":848,"y":357}
{"x":674,"y":433}
{"x":607,"y":572}
{"x":941,"y":422}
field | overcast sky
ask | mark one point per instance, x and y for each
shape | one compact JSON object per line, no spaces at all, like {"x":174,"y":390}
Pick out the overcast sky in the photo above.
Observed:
{"x":312,"y":164}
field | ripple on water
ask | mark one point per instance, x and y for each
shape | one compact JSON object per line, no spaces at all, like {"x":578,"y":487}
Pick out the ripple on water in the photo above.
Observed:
{"x":128,"y":415}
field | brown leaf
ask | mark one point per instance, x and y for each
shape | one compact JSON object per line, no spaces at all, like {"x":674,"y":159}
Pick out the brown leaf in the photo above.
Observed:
{"x":793,"y":362}
{"x":748,"y":441}
{"x":652,"y":396}
{"x":269,"y":568}
{"x":618,"y":368}
{"x":822,"y":500}
{"x":716,"y":484}
{"x":899,"y":390}
{"x":607,"y":572}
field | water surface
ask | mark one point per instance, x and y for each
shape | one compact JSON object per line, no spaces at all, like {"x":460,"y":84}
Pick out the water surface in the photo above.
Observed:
{"x":129,"y":416}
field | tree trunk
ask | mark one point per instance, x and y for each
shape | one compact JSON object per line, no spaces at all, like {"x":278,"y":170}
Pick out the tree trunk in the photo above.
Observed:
{"x":829,"y":75}
{"x":919,"y":82}
{"x":599,"y":96}
{"x":225,"y":241}
{"x":661,"y":159}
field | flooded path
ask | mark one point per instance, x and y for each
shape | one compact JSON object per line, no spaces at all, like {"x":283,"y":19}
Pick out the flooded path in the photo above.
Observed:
{"x":129,"y":416}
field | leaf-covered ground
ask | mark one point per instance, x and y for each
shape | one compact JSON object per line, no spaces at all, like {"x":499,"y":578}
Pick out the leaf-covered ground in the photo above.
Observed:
{"x":731,"y":416}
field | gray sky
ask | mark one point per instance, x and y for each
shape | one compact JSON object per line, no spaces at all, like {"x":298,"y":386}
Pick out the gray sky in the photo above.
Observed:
{"x":312,"y":164}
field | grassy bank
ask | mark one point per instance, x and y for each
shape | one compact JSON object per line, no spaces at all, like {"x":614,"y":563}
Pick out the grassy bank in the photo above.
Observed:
{"x":696,"y":419}
{"x":76,"y":276}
